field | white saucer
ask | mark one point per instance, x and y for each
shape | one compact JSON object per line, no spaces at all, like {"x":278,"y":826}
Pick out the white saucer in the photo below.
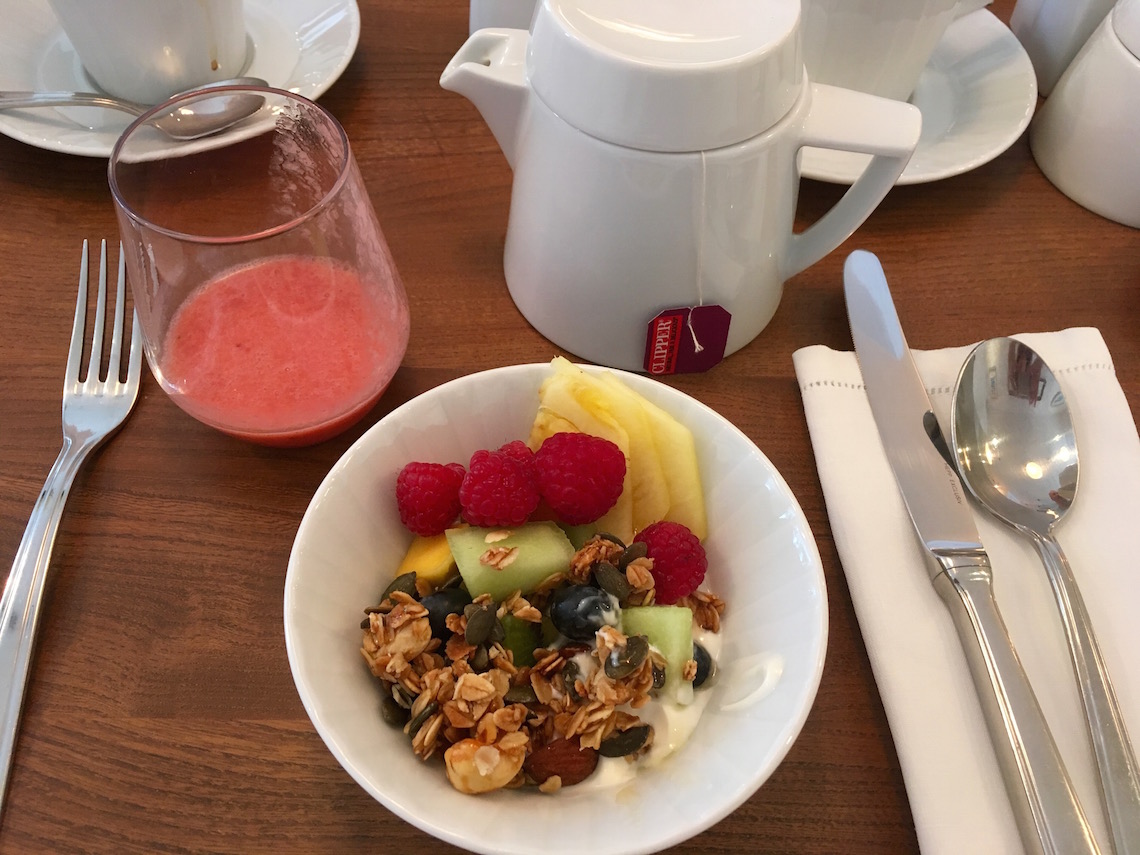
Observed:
{"x":977,"y":94}
{"x":299,"y":45}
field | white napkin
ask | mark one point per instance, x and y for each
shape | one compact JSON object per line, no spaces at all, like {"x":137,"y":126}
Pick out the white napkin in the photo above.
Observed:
{"x":952,"y":778}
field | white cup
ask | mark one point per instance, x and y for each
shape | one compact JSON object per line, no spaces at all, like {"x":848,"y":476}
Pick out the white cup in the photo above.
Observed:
{"x":876,"y":46}
{"x":146,"y":50}
{"x":1052,"y":31}
{"x":1084,"y":136}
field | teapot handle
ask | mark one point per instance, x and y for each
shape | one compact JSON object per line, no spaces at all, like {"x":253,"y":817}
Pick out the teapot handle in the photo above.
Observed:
{"x":853,"y":121}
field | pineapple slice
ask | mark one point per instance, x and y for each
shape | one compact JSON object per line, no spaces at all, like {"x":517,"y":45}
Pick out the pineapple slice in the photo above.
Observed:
{"x":647,"y":475}
{"x":614,"y":409}
{"x":566,"y":400}
{"x":546,"y":424}
{"x":663,"y":476}
{"x":677,"y":452}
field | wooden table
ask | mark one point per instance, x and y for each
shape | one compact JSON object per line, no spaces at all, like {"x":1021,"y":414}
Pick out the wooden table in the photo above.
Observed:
{"x":161,"y":715}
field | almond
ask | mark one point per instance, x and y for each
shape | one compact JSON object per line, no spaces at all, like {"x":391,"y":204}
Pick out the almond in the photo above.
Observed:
{"x":564,"y":758}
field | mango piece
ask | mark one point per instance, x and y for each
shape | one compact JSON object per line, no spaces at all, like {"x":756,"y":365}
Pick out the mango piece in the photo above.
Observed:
{"x":501,"y":561}
{"x":429,"y":558}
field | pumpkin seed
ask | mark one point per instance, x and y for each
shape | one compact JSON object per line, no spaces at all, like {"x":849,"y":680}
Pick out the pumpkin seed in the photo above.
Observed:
{"x":637,"y":549}
{"x":612,"y":538}
{"x":623,"y":661}
{"x":481,"y":621}
{"x":403,"y":696}
{"x":570,"y":674}
{"x":624,"y":742}
{"x":658,"y":676}
{"x":498,"y":632}
{"x":416,"y":723}
{"x":480,"y":659}
{"x":405,"y":583}
{"x":521,"y":694}
{"x":392,"y":713}
{"x":611,"y":580}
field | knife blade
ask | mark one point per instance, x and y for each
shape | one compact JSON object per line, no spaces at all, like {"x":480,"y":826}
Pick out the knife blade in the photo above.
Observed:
{"x":1045,"y":806}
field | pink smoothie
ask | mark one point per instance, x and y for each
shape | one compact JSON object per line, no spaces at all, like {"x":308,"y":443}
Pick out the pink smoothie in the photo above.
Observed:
{"x":287,"y":351}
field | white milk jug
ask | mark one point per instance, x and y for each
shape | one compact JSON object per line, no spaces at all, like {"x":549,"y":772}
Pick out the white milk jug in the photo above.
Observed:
{"x":655,"y":150}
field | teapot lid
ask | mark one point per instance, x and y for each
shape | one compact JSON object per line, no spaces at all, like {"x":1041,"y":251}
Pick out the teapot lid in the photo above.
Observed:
{"x":667,"y":75}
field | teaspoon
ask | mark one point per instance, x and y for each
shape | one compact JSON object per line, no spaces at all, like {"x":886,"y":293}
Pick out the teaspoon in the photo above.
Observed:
{"x":1017,"y":454}
{"x":181,"y":123}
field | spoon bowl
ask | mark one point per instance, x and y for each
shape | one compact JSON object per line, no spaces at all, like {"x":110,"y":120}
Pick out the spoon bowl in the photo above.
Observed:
{"x":1016,"y":451}
{"x":1014,"y":437}
{"x":179,"y":123}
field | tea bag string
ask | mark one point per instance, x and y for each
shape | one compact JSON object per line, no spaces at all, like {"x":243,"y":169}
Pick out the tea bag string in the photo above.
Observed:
{"x":698,"y":347}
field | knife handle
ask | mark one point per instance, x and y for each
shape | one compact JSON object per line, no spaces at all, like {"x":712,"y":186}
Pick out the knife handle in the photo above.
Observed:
{"x":1049,"y":817}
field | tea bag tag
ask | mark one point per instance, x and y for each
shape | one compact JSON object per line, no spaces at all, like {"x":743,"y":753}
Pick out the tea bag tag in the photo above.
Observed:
{"x":686,"y":340}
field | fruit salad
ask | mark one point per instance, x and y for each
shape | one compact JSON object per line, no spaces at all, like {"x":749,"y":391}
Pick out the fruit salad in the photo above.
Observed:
{"x":547,"y":626}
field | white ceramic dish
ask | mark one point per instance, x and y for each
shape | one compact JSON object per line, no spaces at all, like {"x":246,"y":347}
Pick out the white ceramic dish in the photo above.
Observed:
{"x":1084,"y":138}
{"x":977,"y":94}
{"x":299,"y":45}
{"x":763,"y":561}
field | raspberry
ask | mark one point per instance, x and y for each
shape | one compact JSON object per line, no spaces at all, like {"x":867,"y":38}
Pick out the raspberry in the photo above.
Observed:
{"x":498,"y":490}
{"x":580,"y":476}
{"x":427,"y":496}
{"x":679,"y":561}
{"x":519,"y":451}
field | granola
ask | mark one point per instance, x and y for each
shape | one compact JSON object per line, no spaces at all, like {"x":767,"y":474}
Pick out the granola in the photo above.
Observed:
{"x":499,"y":724}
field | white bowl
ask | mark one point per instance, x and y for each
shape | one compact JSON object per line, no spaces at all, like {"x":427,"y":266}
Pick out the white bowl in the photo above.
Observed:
{"x":763,"y":561}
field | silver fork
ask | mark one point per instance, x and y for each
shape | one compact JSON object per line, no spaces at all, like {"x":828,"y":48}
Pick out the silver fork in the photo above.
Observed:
{"x":92,"y":410}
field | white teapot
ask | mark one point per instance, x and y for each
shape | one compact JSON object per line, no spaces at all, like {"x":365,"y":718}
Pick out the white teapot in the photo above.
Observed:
{"x":655,"y":148}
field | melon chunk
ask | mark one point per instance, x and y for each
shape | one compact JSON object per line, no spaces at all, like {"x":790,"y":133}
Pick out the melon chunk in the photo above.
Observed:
{"x":501,"y":561}
{"x":670,"y":630}
{"x":579,"y":534}
{"x":521,"y":638}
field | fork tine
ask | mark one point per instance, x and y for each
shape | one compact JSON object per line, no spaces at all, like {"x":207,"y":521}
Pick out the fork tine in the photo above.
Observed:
{"x":100,"y":317}
{"x":75,"y":354}
{"x":134,"y":369}
{"x":117,"y":333}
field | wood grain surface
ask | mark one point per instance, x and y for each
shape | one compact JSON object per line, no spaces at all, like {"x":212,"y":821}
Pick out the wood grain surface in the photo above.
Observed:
{"x":161,"y":715}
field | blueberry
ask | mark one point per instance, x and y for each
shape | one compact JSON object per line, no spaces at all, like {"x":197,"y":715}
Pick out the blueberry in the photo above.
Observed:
{"x":705,"y":665}
{"x":579,"y":611}
{"x":444,"y":602}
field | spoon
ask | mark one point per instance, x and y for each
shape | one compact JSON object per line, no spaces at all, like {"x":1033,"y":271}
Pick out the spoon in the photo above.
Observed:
{"x":181,"y":123}
{"x":1017,"y":454}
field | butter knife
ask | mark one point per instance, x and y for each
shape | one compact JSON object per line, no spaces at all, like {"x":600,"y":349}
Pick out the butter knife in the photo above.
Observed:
{"x":1049,"y":817}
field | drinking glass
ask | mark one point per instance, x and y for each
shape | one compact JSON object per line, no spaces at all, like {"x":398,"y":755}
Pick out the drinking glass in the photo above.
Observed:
{"x":270,"y":305}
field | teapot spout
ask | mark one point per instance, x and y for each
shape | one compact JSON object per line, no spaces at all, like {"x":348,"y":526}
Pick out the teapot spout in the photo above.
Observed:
{"x":490,"y":71}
